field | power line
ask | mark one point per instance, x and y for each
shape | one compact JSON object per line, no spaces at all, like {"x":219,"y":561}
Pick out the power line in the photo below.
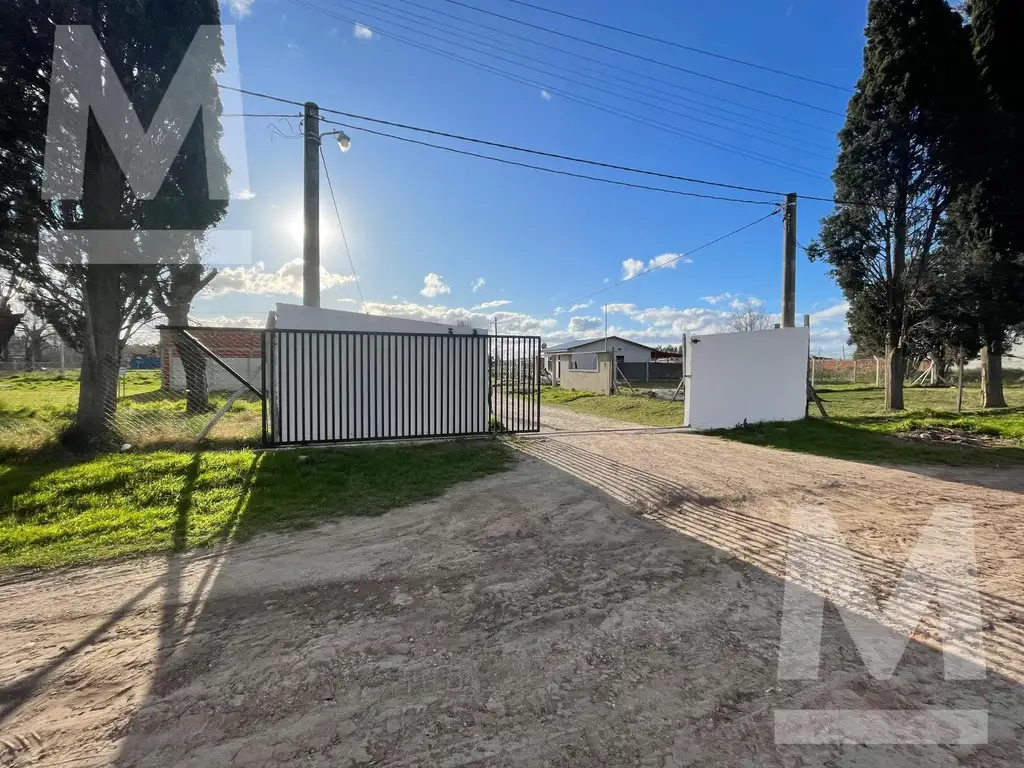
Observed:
{"x":526,"y":150}
{"x":553,"y":155}
{"x":664,"y":96}
{"x":689,"y":48}
{"x":256,"y":114}
{"x":555,"y":171}
{"x":677,"y":258}
{"x":650,"y":122}
{"x":648,"y":59}
{"x":620,"y":68}
{"x":344,"y":239}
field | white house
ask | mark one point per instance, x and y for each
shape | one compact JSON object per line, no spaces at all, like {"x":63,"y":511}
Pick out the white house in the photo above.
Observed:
{"x":581,"y":354}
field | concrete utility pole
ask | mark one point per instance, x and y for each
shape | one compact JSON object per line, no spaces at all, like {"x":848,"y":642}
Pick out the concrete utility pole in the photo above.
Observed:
{"x":311,"y":209}
{"x":789,"y":263}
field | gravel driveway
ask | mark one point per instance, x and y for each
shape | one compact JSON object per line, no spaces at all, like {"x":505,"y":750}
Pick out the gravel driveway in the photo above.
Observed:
{"x":613,"y":600}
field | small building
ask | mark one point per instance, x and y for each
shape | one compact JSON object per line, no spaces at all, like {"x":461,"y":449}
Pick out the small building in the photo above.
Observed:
{"x":582,"y":354}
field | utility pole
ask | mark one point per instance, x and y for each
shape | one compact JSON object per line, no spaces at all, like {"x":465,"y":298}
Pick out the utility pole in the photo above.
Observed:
{"x":311,"y":209}
{"x":495,"y":325}
{"x":789,"y":263}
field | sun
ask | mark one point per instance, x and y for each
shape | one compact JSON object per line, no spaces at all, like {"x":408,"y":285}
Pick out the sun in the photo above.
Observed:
{"x":294,"y":229}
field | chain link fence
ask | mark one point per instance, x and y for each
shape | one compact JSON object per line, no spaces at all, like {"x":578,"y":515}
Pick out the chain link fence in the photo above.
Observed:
{"x":205,"y":390}
{"x":197,"y":387}
{"x":859,"y":371}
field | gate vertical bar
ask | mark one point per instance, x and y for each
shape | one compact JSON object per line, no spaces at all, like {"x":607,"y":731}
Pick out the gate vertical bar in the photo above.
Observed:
{"x":318,"y":386}
{"x":465,"y":387}
{"x":263,"y":387}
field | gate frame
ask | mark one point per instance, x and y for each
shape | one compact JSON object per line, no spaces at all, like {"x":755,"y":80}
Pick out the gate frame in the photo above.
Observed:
{"x":526,"y":415}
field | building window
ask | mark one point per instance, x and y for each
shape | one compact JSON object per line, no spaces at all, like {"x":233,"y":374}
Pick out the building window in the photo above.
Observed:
{"x":584,"y":362}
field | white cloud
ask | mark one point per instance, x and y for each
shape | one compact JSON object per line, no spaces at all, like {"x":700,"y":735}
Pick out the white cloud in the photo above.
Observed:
{"x":515,"y":323}
{"x":493,"y":304}
{"x":362,"y":32}
{"x":433,"y":285}
{"x":246,"y":194}
{"x":545,"y":95}
{"x":606,"y":280}
{"x":229,"y":321}
{"x":585,"y":324}
{"x":632,"y":268}
{"x":294,"y":49}
{"x":577,"y":307}
{"x":256,"y":280}
{"x":830,"y":313}
{"x":478,"y":284}
{"x":719,"y":298}
{"x":240,"y":8}
{"x":669,"y":259}
{"x":621,"y":309}
{"x":742,"y":303}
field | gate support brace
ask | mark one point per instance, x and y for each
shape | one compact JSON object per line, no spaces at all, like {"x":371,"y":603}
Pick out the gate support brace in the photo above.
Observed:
{"x":206,"y":351}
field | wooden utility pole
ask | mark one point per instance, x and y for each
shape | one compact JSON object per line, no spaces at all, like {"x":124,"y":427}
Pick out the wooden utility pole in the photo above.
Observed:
{"x":789,"y":263}
{"x":311,"y":208}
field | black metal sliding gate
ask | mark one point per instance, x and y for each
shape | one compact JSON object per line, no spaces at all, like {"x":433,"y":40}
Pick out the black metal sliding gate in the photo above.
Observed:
{"x":347,"y":386}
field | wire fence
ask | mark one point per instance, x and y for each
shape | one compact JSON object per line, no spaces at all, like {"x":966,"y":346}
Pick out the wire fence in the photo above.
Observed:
{"x":197,"y":387}
{"x":205,"y":390}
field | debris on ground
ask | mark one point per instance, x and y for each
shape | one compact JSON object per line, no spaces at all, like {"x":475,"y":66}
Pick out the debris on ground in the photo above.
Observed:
{"x":952,"y":436}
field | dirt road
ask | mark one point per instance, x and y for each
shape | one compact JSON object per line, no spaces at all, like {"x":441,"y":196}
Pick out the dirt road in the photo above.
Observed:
{"x":614,"y":600}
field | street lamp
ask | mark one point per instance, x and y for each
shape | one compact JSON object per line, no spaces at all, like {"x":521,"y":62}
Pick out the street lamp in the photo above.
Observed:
{"x":311,"y":202}
{"x":344,"y":142}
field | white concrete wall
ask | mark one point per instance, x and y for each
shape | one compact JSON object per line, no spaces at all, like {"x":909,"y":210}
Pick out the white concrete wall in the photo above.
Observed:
{"x":753,"y":376}
{"x":296,"y":317}
{"x":217,"y":379}
{"x":365,"y":385}
{"x":599,"y":380}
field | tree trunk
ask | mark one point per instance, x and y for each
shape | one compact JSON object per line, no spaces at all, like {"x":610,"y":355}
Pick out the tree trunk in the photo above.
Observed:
{"x":894,"y":374}
{"x":991,"y":378}
{"x":101,"y":359}
{"x":193,"y":360}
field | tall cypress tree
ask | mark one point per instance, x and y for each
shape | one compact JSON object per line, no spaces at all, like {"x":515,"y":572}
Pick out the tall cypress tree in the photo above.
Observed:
{"x":987,"y":225}
{"x":902,"y":121}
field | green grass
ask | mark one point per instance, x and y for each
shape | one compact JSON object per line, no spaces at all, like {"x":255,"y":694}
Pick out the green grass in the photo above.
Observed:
{"x":56,"y":510}
{"x":638,"y":409}
{"x":35,"y":407}
{"x":860,"y":429}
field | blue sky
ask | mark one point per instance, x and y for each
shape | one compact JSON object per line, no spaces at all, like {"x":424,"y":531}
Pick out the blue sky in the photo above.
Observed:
{"x":444,"y":237}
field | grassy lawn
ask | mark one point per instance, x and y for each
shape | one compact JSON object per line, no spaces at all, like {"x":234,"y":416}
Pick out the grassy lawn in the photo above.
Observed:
{"x":34,"y":407}
{"x":860,"y":429}
{"x":56,"y":510}
{"x":647,"y":411}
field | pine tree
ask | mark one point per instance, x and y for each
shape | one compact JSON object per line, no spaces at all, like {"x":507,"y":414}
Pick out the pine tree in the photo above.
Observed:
{"x":988,"y":221}
{"x":902,"y":122}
